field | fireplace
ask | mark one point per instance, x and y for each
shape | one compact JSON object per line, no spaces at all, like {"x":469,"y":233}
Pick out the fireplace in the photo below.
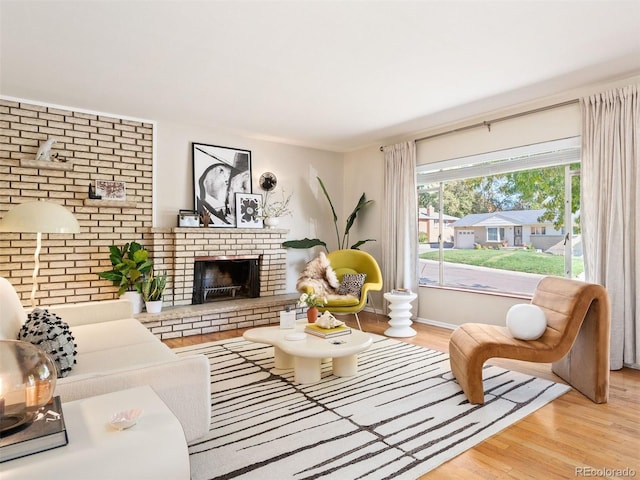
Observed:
{"x":226,"y":278}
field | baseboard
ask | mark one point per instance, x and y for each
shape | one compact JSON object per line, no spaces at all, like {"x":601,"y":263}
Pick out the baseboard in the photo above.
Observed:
{"x":435,"y":323}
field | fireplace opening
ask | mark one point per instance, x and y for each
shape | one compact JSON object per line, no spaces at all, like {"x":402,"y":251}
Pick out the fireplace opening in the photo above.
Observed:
{"x":225,"y":278}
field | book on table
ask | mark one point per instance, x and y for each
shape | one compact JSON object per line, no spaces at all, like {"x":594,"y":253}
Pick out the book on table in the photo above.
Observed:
{"x":401,"y":291}
{"x":327,"y":332}
{"x":45,"y":432}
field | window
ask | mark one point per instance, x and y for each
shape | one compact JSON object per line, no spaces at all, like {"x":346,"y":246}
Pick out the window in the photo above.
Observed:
{"x":502,"y":223}
{"x":495,"y":234}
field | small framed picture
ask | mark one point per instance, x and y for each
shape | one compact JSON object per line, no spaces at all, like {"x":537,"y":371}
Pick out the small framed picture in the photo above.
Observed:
{"x":248,"y":210}
{"x":110,"y":190}
{"x":188,"y":218}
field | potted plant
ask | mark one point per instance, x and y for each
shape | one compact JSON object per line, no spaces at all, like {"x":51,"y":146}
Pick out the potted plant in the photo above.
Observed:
{"x":343,"y":242}
{"x":130,"y":264}
{"x":272,"y":211}
{"x":152,"y":290}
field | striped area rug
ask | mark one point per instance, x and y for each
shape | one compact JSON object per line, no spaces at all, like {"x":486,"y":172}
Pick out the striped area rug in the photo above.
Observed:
{"x":400,"y":417}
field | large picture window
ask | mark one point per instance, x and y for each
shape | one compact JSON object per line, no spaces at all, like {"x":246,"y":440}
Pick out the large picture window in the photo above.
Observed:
{"x":501,"y":221}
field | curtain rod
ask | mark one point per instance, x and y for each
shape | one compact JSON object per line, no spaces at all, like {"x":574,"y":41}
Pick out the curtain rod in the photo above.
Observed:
{"x":495,"y":120}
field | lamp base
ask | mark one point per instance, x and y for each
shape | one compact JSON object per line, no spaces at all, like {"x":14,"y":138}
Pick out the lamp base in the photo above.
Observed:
{"x":11,"y":421}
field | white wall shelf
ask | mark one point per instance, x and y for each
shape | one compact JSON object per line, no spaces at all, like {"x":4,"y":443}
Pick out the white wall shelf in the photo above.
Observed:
{"x":46,"y":165}
{"x":96,"y":202}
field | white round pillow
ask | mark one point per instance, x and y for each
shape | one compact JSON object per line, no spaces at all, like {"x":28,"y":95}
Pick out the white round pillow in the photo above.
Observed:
{"x":526,"y":321}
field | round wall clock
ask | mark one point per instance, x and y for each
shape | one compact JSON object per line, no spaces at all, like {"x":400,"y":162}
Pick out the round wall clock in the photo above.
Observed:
{"x":268,"y":181}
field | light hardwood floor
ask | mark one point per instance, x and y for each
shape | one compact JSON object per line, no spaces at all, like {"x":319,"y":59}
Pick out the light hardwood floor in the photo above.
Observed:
{"x":555,"y":442}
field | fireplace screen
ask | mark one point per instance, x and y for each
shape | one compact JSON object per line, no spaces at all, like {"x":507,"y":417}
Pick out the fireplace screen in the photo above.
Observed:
{"x":225,"y":278}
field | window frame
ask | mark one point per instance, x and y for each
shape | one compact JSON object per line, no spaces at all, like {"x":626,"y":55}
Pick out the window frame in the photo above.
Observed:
{"x":500,"y":234}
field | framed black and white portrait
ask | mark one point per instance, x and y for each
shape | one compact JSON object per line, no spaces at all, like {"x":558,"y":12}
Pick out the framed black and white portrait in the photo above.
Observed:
{"x":248,"y":210}
{"x":218,"y":174}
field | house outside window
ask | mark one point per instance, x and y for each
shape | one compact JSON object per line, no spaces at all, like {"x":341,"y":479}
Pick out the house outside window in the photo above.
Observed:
{"x":504,"y":219}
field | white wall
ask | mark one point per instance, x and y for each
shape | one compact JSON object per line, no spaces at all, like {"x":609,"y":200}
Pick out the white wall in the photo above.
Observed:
{"x":295,"y":167}
{"x":364,"y":172}
{"x":450,"y":307}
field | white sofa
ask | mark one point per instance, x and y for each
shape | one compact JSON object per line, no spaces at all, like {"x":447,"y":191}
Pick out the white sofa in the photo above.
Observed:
{"x":115,"y":352}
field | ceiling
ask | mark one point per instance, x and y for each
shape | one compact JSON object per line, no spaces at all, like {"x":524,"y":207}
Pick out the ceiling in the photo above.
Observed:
{"x":335,"y":75}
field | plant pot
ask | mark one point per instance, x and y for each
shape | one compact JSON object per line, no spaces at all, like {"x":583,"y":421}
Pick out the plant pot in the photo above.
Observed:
{"x":154,"y":306}
{"x":136,"y":300}
{"x":271,"y":222}
{"x":312,"y":314}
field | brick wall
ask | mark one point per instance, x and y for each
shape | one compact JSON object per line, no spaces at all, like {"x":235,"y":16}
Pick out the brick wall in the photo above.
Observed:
{"x":95,"y":147}
{"x":98,"y":147}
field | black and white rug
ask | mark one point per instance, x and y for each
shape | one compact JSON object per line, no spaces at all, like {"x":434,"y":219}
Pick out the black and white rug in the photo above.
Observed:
{"x":400,"y":417}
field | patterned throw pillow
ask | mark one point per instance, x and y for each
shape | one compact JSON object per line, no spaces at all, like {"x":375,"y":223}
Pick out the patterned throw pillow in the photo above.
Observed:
{"x":48,"y":332}
{"x":352,"y":284}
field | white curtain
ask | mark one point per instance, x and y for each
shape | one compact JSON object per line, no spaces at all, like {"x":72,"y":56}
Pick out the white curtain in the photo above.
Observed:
{"x":610,"y":205}
{"x":400,"y":228}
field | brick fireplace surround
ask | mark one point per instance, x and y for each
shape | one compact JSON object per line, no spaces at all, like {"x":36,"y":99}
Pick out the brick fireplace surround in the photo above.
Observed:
{"x":175,"y":250}
{"x":100,"y":147}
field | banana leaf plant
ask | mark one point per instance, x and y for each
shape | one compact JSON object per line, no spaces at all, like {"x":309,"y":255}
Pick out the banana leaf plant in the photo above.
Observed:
{"x":130,"y":264}
{"x":342,"y":241}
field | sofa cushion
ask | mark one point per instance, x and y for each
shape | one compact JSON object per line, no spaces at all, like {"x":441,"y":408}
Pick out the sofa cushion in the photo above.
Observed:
{"x":125,"y":357}
{"x":341,"y":301}
{"x":52,"y":335}
{"x":107,"y":335}
{"x":93,"y":312}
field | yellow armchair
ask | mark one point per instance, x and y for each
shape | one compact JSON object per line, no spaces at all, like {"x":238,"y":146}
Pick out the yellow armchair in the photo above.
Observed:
{"x":352,"y":261}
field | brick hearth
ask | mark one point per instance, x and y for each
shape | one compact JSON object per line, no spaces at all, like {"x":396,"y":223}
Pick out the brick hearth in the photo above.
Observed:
{"x":183,"y":321}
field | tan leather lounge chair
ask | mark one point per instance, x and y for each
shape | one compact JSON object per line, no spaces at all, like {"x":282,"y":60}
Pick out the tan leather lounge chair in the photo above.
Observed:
{"x":576,"y":340}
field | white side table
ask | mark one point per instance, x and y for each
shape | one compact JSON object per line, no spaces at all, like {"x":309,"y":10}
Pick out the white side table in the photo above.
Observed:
{"x":153,"y":448}
{"x":400,"y":314}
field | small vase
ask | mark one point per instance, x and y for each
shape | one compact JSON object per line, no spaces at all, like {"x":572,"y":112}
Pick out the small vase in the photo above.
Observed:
{"x":271,"y":222}
{"x":312,"y":314}
{"x":154,"y":306}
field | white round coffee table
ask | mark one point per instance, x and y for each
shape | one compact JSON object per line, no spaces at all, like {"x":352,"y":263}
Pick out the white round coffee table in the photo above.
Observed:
{"x":400,"y":314}
{"x":305,"y":356}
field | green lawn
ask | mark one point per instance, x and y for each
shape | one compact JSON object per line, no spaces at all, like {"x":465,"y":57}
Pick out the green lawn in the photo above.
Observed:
{"x":515,"y":260}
